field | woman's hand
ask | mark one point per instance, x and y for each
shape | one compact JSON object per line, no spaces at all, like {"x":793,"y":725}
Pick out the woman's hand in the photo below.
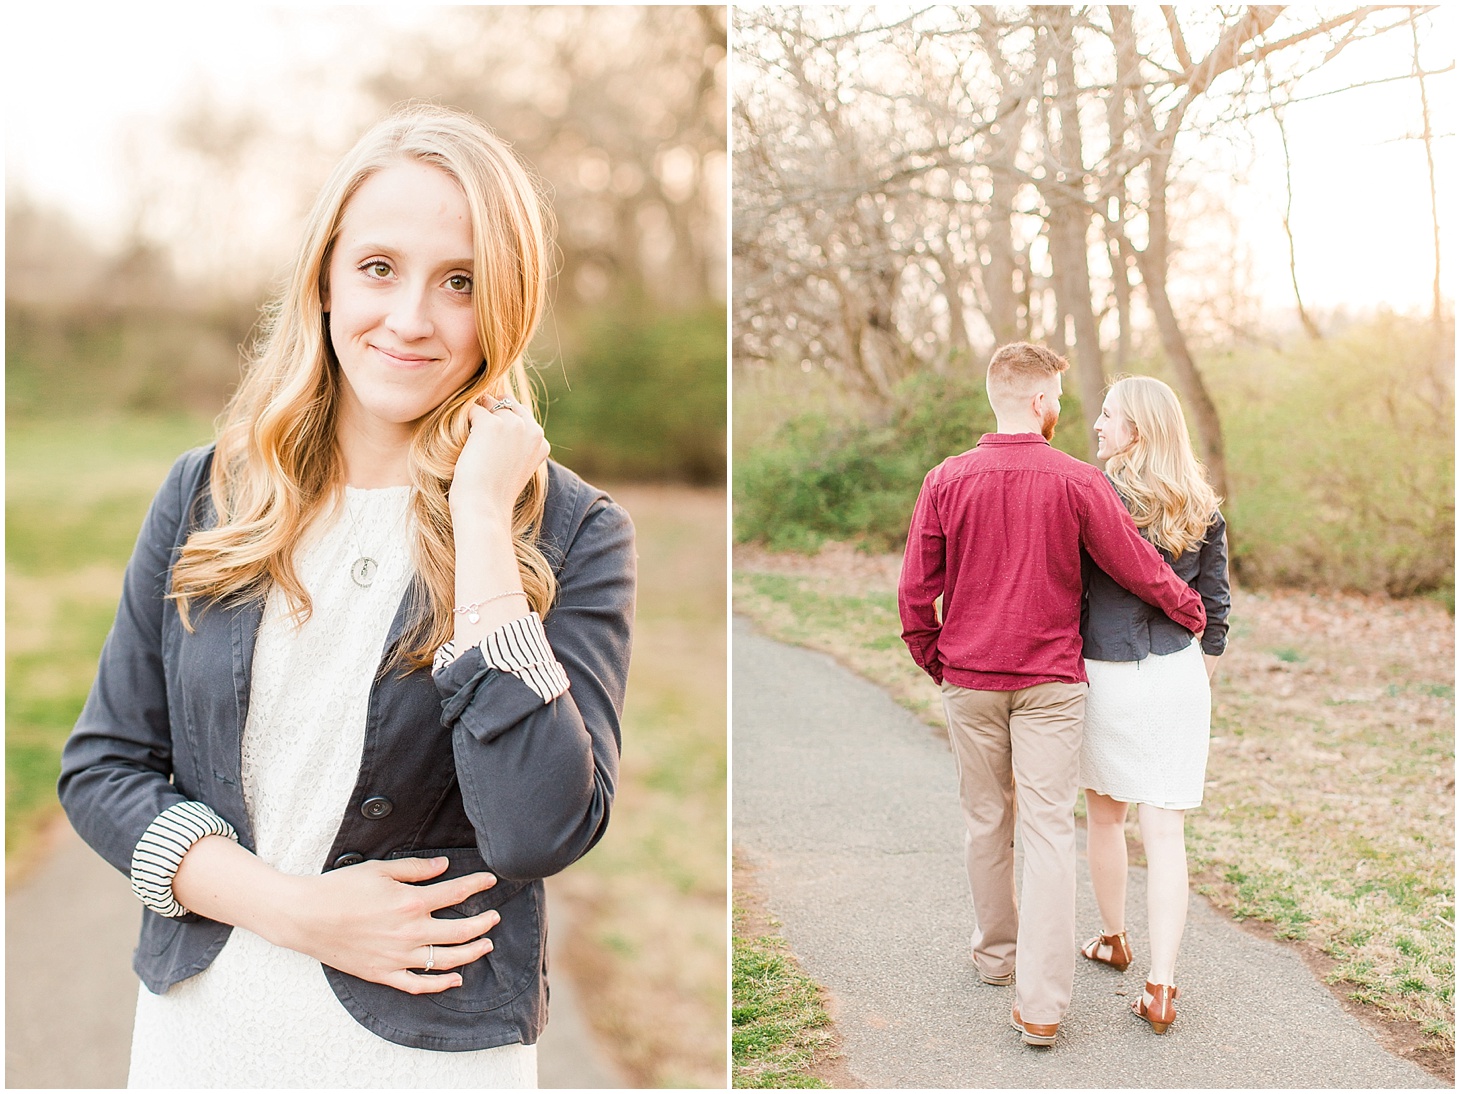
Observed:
{"x":366,"y":920}
{"x":504,"y":448}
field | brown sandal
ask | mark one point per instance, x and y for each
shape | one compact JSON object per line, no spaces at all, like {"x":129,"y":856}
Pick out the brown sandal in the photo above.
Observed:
{"x":1109,"y":949}
{"x":1162,"y":1011}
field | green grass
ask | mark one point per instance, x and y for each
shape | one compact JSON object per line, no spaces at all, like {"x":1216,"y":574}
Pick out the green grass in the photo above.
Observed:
{"x":778,"y":1020}
{"x":76,"y":492}
{"x":650,"y":950}
{"x":862,"y":630}
{"x":1327,"y":813}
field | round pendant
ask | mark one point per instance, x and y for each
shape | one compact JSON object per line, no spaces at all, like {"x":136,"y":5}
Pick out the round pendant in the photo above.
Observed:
{"x":363,"y":571}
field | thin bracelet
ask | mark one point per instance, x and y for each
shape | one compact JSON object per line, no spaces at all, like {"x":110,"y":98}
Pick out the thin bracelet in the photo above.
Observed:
{"x":470,"y":610}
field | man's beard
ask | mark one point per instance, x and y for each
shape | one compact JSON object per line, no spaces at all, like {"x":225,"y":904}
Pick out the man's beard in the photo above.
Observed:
{"x":1046,"y":424}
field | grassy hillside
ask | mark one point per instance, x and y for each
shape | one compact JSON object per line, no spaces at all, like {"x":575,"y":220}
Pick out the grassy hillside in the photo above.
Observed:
{"x":1340,"y":456}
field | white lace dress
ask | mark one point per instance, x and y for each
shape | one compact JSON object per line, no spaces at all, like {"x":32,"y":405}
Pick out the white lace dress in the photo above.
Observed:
{"x":265,"y":1017}
{"x":1147,"y":728}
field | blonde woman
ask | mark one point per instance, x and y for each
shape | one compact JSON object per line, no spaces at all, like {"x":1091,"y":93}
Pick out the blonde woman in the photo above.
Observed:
{"x":363,"y":688}
{"x":1148,"y":712}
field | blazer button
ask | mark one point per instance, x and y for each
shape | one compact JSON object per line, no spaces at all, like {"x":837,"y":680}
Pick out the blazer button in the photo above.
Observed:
{"x":349,"y":859}
{"x":376,"y":808}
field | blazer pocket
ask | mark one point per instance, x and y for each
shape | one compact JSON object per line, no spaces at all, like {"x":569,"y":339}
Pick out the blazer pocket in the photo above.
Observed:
{"x":517,"y":941}
{"x":463,"y":861}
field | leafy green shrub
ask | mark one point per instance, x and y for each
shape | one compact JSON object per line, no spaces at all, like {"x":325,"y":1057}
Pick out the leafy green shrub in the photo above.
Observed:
{"x":635,"y":395}
{"x":640,"y":395}
{"x":1341,"y":460}
{"x":819,"y":481}
{"x":158,"y":361}
{"x":822,"y":479}
{"x":1339,"y":452}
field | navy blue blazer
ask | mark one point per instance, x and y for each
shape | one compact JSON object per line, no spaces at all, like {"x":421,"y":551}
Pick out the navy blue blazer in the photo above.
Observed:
{"x":471,"y":765}
{"x":1117,"y":625}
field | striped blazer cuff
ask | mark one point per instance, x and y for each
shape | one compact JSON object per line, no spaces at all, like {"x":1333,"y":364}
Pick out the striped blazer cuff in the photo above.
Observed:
{"x":160,"y":852}
{"x":520,"y":648}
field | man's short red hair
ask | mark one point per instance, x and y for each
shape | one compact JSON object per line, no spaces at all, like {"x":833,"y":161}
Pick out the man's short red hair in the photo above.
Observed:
{"x":1019,"y":369}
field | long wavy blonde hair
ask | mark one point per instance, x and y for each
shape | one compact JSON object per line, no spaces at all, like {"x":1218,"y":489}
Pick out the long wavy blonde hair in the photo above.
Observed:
{"x":277,"y":464}
{"x":1163,"y":483}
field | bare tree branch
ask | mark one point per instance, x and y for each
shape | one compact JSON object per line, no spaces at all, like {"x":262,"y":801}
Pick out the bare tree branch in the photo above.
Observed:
{"x":1437,"y":309}
{"x":1178,"y":41}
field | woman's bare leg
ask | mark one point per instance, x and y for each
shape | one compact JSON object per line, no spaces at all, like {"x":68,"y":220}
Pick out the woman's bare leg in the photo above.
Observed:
{"x":1105,"y":843}
{"x":1164,"y":835}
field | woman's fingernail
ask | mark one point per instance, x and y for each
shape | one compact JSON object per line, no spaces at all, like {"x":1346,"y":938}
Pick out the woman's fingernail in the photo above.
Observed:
{"x":490,"y":947}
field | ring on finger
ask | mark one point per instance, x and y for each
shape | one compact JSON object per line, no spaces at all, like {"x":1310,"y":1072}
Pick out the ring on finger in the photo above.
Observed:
{"x":430,"y":957}
{"x":502,"y":404}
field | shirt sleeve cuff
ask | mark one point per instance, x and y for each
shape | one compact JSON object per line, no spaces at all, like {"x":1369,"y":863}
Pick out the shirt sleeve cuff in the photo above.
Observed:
{"x":520,"y":648}
{"x":160,"y":852}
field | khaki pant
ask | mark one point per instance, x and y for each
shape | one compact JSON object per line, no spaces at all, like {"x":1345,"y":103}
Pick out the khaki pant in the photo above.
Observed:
{"x":1021,"y":746}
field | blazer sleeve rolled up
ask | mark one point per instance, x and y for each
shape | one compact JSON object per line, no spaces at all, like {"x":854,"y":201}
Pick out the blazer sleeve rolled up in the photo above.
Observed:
{"x":538,"y":779}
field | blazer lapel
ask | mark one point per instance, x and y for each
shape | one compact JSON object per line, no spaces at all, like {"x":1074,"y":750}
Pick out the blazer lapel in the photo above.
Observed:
{"x":243,"y":632}
{"x":404,"y":613}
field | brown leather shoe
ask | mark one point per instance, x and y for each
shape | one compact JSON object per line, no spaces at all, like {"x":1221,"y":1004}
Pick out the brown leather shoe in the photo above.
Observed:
{"x":1161,"y":1010}
{"x":1109,"y":949}
{"x":997,"y":981}
{"x":1034,"y":1033}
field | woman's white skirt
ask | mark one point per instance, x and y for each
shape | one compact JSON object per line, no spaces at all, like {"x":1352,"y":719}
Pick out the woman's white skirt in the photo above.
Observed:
{"x":1147,"y":728}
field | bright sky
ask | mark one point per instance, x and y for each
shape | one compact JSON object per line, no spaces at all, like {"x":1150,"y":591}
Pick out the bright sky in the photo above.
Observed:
{"x":76,"y":78}
{"x":1361,"y":201}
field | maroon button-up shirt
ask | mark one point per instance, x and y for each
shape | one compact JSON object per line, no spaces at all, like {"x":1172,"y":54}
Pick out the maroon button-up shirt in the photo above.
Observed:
{"x":997,"y":534}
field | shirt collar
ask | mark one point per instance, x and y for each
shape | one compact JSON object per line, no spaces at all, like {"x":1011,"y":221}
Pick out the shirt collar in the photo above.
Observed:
{"x":1012,"y":438}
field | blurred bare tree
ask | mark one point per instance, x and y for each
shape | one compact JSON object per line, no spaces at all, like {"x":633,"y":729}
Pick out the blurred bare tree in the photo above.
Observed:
{"x":622,"y":112}
{"x":620,"y":109}
{"x":911,"y":190}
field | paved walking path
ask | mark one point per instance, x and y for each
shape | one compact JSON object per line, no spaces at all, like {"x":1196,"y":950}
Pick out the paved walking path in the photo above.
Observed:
{"x":70,"y":992}
{"x":847,"y":806}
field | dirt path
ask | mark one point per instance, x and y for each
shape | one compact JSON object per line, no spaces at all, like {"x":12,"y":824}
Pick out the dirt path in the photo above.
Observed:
{"x":75,"y":914}
{"x":846,"y":806}
{"x":1328,"y":818}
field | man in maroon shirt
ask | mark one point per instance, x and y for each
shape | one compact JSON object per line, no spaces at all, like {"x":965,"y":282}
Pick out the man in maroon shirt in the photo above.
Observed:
{"x":997,"y":533}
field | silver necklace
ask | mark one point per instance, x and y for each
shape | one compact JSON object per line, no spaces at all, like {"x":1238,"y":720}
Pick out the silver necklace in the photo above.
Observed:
{"x":363,"y":569}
